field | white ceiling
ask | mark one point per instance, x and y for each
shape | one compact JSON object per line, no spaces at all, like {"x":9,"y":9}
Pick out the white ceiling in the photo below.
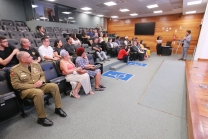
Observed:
{"x":135,"y":6}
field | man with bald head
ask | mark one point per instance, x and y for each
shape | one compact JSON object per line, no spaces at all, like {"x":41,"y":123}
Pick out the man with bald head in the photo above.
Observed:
{"x":29,"y":78}
{"x":25,"y":43}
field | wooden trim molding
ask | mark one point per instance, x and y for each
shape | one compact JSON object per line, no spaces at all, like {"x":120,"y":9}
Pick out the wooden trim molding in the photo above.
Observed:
{"x":203,"y":59}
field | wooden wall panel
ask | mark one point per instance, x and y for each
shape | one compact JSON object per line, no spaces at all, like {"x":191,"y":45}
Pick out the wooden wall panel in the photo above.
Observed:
{"x":125,"y":27}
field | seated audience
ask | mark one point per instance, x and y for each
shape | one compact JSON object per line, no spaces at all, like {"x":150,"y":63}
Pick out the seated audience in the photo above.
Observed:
{"x":135,"y":48}
{"x":31,"y":82}
{"x":118,"y":41}
{"x":126,"y":41}
{"x":98,"y":50}
{"x":95,"y":35}
{"x":90,"y":33}
{"x":123,"y":54}
{"x":143,"y":48}
{"x":74,"y":74}
{"x":102,"y":42}
{"x":75,"y":40}
{"x":114,"y":42}
{"x":115,"y":49}
{"x":25,"y":43}
{"x":70,"y":47}
{"x":57,"y":48}
{"x":46,"y":51}
{"x":41,"y":32}
{"x":7,"y":54}
{"x":86,"y":38}
{"x":83,"y":62}
{"x":105,"y":37}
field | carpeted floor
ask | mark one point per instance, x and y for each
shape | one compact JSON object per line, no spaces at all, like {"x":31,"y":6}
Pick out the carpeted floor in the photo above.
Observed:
{"x":125,"y":110}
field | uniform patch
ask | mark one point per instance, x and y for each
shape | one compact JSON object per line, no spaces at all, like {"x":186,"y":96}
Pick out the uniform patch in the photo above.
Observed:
{"x":12,"y":74}
{"x":35,"y":70}
{"x":23,"y":74}
{"x":33,"y":53}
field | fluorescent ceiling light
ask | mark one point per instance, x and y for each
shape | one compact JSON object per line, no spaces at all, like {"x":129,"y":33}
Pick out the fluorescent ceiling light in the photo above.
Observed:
{"x":66,"y":12}
{"x":88,"y":12}
{"x":124,"y":10}
{"x":190,"y":12}
{"x":72,"y":21}
{"x":134,"y":14}
{"x":158,"y":12}
{"x":111,"y":3}
{"x":70,"y":18}
{"x":100,"y":15}
{"x":51,"y":0}
{"x":114,"y":16}
{"x":194,"y":2}
{"x":86,"y":8}
{"x":152,"y":6}
{"x":34,"y":6}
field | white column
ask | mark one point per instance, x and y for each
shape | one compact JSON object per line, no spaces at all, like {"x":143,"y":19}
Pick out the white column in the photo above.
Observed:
{"x":202,"y":46}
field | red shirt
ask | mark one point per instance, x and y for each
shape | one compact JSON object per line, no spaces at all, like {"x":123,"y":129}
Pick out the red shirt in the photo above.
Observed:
{"x":122,"y":53}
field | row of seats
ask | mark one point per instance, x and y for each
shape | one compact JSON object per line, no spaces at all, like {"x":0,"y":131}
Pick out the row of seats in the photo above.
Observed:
{"x":11,"y":23}
{"x":12,"y":104}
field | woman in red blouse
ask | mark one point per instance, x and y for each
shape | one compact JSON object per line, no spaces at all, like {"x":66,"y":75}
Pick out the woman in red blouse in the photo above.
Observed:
{"x":123,"y":54}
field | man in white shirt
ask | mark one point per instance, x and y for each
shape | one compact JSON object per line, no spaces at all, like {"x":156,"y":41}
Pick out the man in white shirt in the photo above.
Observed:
{"x":46,"y":51}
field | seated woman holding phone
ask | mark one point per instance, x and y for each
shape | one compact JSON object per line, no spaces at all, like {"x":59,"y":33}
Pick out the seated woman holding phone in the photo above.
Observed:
{"x":93,"y":70}
{"x":74,"y":74}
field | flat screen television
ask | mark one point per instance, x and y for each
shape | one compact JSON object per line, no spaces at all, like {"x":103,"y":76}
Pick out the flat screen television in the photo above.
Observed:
{"x":144,"y":28}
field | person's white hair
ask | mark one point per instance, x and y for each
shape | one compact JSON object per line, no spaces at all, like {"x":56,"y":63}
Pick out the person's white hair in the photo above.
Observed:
{"x":63,"y":53}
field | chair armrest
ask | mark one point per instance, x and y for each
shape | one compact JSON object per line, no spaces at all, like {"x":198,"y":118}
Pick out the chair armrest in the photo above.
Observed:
{"x":57,"y":80}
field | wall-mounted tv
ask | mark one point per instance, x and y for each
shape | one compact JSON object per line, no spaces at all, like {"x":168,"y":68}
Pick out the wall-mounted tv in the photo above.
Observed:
{"x":144,"y":28}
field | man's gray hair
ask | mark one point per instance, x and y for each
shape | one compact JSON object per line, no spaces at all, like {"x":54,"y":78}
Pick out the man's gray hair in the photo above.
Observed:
{"x":22,"y":40}
{"x":20,"y":54}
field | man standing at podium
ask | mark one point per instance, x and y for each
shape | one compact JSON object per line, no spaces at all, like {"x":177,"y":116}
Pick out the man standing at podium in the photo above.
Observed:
{"x":186,"y":44}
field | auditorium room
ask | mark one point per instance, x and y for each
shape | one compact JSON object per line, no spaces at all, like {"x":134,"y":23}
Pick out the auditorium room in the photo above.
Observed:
{"x":103,"y":69}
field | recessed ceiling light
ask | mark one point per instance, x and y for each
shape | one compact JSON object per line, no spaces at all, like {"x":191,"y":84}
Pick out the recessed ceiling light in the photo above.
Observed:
{"x":70,"y":17}
{"x":88,"y":12}
{"x":124,"y":10}
{"x":100,"y":15}
{"x":66,"y":12}
{"x":152,"y":6}
{"x":86,"y":8}
{"x":34,"y":6}
{"x":158,"y":11}
{"x":111,"y":3}
{"x":134,"y":14}
{"x":190,"y":12}
{"x":194,"y":2}
{"x":114,"y":16}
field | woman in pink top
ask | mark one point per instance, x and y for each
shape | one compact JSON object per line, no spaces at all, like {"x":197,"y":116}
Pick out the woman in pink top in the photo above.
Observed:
{"x":75,"y":40}
{"x":74,"y":74}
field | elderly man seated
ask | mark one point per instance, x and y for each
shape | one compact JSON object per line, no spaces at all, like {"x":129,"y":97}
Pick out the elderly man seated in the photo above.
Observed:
{"x":29,"y":78}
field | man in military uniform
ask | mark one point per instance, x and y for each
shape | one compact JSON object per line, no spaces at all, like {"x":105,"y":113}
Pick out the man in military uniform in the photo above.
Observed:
{"x":29,"y":78}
